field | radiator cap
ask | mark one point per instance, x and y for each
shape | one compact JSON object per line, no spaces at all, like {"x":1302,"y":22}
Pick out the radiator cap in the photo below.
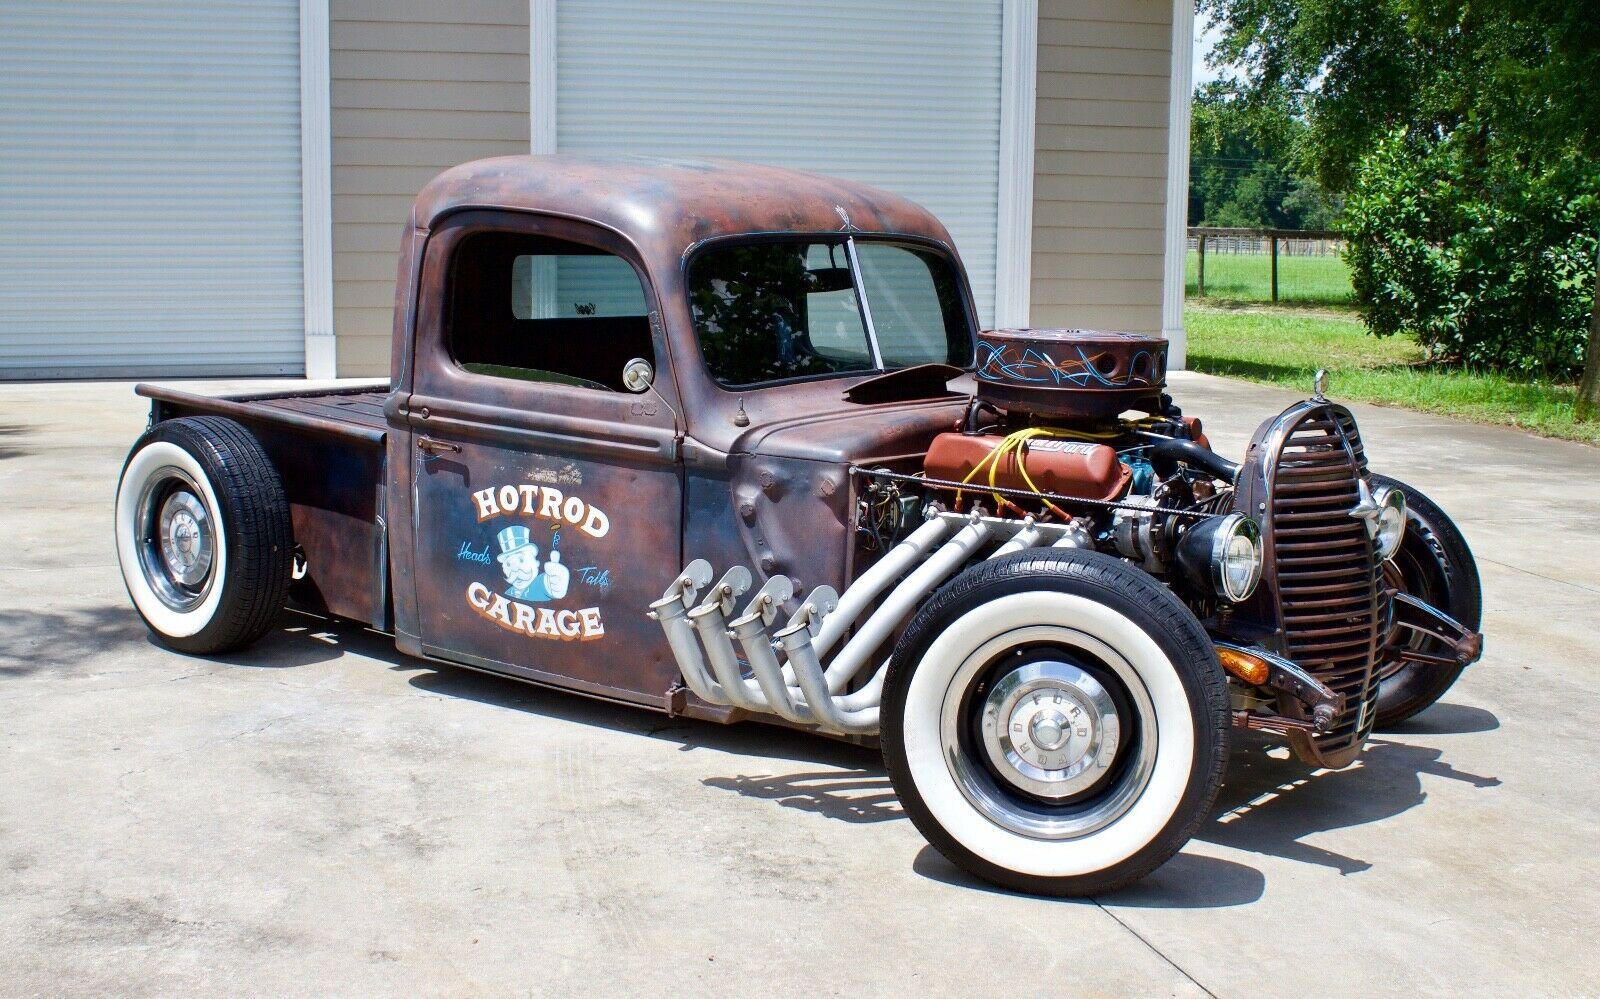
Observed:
{"x":1083,"y":374}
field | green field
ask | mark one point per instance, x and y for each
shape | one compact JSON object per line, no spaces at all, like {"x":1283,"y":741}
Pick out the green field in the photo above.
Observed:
{"x":1247,"y":277}
{"x":1285,"y":346}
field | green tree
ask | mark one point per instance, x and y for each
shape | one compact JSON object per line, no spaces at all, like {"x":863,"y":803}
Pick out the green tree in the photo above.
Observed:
{"x":1498,"y":282}
{"x":1241,"y":172}
{"x":1547,"y":66}
{"x":1504,"y":91}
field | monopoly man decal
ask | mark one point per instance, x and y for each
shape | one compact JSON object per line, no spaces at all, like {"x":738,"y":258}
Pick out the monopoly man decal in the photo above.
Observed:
{"x":538,"y":581}
{"x":526,"y":579}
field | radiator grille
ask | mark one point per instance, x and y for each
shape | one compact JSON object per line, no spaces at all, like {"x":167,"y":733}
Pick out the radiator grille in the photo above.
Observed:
{"x":1329,"y":583}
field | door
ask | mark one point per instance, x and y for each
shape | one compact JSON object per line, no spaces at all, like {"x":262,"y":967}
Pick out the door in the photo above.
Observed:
{"x":548,"y":494}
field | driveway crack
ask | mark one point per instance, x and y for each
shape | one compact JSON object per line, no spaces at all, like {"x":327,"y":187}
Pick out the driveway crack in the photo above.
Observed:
{"x":1540,"y":575}
{"x":1154,"y":949}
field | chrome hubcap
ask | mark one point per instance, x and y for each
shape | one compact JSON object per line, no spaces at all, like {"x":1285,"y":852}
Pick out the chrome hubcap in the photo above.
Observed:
{"x":1051,"y":729}
{"x":185,"y":538}
{"x":177,"y":540}
{"x":1049,"y":732}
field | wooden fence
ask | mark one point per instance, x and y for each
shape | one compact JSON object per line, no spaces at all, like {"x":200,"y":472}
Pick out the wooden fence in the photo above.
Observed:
{"x":1308,"y":241}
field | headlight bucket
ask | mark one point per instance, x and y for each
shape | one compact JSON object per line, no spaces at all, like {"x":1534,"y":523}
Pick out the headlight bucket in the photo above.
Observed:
{"x":1223,"y":554}
{"x":1389,"y":527}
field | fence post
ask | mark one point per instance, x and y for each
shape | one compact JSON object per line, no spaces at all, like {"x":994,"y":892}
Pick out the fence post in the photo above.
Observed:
{"x":1202,"y":289}
{"x":1274,"y":268}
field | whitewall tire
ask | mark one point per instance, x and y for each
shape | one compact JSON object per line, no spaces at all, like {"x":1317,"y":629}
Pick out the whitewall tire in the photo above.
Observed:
{"x":203,"y":534}
{"x":1056,"y":722}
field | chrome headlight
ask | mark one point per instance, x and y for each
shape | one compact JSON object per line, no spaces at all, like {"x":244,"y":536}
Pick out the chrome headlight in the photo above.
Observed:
{"x":1224,"y":554}
{"x":1389,"y":527}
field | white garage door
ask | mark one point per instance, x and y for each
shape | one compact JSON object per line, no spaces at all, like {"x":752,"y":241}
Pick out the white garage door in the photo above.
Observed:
{"x":150,"y":189}
{"x":902,"y":94}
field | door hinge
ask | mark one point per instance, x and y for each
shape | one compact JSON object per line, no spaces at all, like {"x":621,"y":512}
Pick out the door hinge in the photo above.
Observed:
{"x":677,"y":698}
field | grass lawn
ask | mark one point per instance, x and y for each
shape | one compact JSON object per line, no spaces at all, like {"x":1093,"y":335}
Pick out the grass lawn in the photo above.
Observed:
{"x":1247,"y":277}
{"x":1285,"y":346}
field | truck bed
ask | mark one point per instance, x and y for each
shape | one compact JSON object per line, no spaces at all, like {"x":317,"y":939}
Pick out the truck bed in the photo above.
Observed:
{"x":358,"y":407}
{"x":354,"y":410}
{"x":329,"y":448}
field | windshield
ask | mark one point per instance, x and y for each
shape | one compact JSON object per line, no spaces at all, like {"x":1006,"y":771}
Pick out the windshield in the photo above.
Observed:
{"x":773,"y":311}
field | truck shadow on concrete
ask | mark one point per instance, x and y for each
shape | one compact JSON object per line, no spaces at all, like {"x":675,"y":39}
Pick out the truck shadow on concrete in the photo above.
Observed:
{"x":1269,"y":805}
{"x":10,"y":440}
{"x":1188,"y":881}
{"x":862,"y":794}
{"x":65,"y":643}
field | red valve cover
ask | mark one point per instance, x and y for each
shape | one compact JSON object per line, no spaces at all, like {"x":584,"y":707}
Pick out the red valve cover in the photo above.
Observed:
{"x":1070,"y":468}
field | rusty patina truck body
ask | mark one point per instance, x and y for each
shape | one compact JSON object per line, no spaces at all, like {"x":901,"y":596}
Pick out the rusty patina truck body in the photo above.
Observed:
{"x":610,"y":376}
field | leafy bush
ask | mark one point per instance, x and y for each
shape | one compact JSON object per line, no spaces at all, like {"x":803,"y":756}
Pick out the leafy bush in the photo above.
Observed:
{"x":1490,"y":267}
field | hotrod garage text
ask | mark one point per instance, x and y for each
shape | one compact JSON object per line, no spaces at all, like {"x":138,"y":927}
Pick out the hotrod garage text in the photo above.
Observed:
{"x":528,"y":578}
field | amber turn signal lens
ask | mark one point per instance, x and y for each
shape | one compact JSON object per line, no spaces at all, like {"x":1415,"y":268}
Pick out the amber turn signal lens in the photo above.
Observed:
{"x":1243,"y":665}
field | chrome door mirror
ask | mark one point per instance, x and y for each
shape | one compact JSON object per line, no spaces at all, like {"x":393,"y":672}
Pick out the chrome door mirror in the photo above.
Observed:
{"x":638,"y":375}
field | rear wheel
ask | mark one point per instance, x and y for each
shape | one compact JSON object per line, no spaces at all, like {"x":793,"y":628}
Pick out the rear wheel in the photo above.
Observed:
{"x":1055,"y":722}
{"x":1434,"y":565}
{"x":203,"y":534}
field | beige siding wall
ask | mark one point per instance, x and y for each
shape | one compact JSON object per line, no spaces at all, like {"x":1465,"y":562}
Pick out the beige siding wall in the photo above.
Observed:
{"x":1100,"y":163}
{"x":417,"y":86}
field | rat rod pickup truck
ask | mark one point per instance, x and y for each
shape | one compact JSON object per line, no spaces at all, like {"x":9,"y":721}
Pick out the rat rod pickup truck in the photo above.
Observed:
{"x":1005,"y":556}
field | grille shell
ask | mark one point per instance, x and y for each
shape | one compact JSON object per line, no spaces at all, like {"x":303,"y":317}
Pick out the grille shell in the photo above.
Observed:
{"x":1326,"y":580}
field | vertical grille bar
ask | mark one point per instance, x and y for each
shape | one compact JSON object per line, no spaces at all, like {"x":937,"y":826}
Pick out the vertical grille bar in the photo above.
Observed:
{"x":1328,"y":578}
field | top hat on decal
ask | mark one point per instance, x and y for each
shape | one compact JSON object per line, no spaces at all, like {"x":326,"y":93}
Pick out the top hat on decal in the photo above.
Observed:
{"x":513,"y":539}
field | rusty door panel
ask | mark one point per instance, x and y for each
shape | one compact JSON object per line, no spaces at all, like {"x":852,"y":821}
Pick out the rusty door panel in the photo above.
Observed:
{"x":506,"y":472}
{"x":402,"y":594}
{"x":495,"y":509}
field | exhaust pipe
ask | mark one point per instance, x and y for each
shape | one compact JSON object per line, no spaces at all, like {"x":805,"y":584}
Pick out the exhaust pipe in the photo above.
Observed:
{"x":901,"y":601}
{"x":858,"y":596}
{"x":710,"y":621}
{"x":750,"y":629}
{"x":1025,"y":538}
{"x":799,"y":688}
{"x":671,"y":611}
{"x":797,"y":639}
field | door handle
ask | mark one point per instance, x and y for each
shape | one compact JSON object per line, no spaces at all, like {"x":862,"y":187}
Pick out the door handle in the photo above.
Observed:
{"x":428,"y":445}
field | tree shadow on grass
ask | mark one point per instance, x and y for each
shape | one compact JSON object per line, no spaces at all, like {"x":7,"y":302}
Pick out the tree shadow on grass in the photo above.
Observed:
{"x":1257,"y":371}
{"x":1342,"y":305}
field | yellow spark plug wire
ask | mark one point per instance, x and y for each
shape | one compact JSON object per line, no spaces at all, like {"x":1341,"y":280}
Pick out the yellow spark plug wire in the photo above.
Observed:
{"x":1015,"y":442}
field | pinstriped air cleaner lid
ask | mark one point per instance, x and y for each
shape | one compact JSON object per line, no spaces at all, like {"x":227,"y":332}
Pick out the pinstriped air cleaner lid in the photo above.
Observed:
{"x":1070,"y":373}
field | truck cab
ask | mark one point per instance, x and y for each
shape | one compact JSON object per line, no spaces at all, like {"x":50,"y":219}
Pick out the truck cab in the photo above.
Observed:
{"x":594,"y":363}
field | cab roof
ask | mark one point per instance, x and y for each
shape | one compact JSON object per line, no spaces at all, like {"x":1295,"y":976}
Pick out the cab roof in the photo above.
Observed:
{"x":668,"y":205}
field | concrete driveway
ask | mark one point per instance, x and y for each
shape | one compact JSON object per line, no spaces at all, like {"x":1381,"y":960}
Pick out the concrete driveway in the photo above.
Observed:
{"x":319,"y":814}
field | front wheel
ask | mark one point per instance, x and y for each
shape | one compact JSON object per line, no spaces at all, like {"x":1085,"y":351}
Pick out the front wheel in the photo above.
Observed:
{"x":1434,"y":565}
{"x":1055,"y":722}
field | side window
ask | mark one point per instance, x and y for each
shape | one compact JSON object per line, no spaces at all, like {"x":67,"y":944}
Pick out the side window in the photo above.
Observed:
{"x":546,"y":310}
